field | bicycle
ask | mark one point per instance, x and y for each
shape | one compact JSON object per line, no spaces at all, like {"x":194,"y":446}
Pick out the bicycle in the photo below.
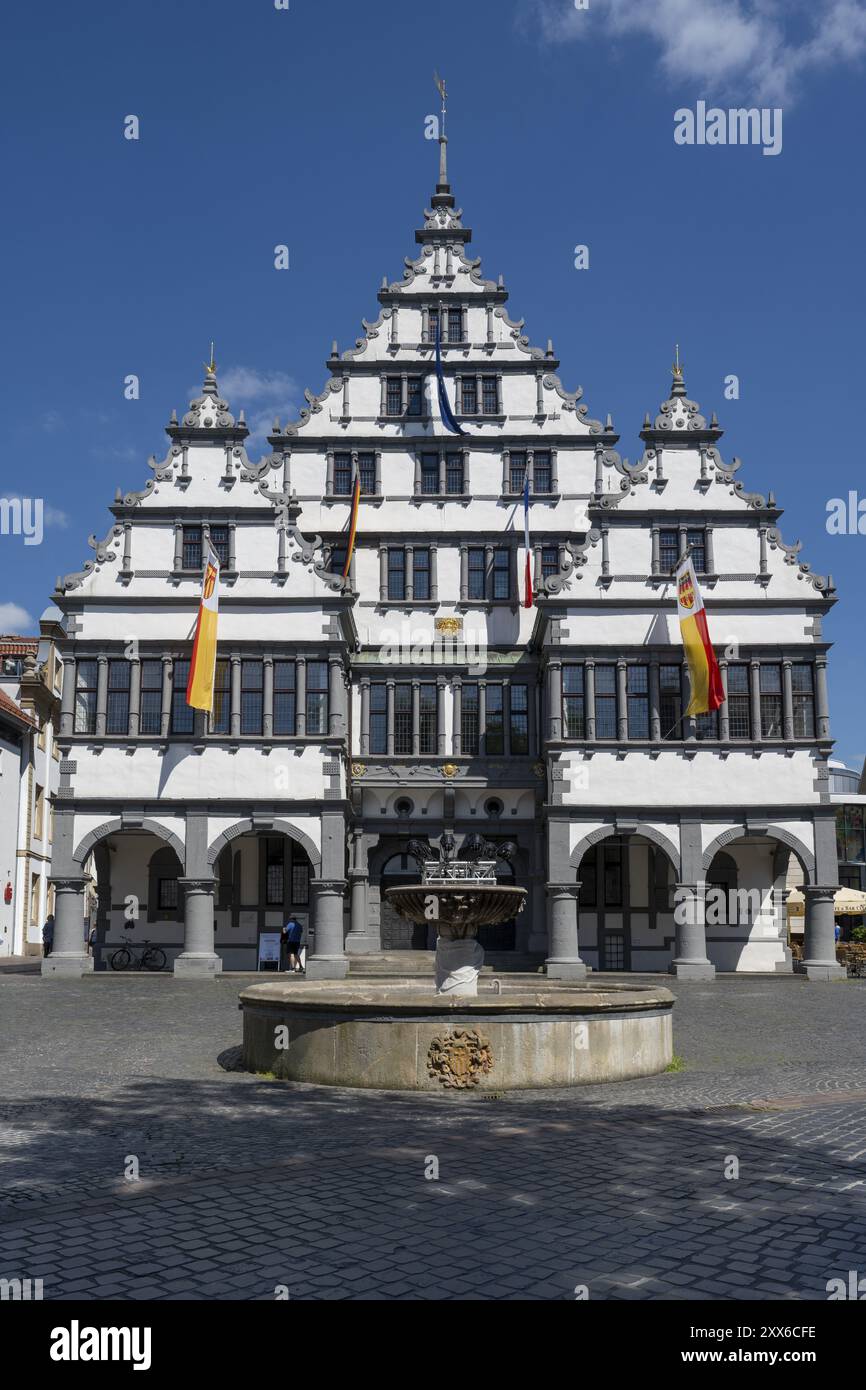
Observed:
{"x":152,"y":958}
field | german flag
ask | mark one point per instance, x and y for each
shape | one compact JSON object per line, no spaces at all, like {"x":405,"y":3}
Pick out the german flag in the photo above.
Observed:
{"x":199,"y":690}
{"x":704,"y":673}
{"x":353,"y":524}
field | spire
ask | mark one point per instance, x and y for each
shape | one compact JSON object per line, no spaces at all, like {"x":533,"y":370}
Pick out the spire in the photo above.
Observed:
{"x":443,"y":197}
{"x":679,"y":386}
{"x":210,"y":387}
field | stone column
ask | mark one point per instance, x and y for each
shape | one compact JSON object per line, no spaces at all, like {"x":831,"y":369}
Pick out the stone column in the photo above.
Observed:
{"x":167,"y":672}
{"x":440,"y":715}
{"x":416,"y":718}
{"x":464,"y":574}
{"x":68,"y":956}
{"x":198,"y":960}
{"x":656,"y":560}
{"x":655,"y":703}
{"x":819,"y":943}
{"x":589,"y":701}
{"x":268,"y":697}
{"x":336,"y":698}
{"x":787,"y":701}
{"x":361,"y":938}
{"x":621,"y":701}
{"x":389,"y":717}
{"x":457,"y":738}
{"x":365,"y":718}
{"x":236,"y":697}
{"x":67,"y":703}
{"x":755,"y":689}
{"x":134,"y":696}
{"x":554,"y":695}
{"x":563,"y":960}
{"x":724,"y":717}
{"x":383,"y":573}
{"x":330,"y":961}
{"x":690,"y":961}
{"x":101,"y":694}
{"x":822,"y":703}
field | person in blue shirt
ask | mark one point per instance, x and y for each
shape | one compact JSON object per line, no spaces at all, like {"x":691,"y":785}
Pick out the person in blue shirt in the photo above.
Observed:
{"x":292,"y":934}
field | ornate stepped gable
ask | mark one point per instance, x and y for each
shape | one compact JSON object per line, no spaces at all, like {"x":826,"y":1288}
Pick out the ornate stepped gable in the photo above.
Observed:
{"x":400,"y":341}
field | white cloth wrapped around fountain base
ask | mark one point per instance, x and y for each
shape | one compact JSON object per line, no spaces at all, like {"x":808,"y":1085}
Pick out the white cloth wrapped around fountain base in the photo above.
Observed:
{"x":458,"y":965}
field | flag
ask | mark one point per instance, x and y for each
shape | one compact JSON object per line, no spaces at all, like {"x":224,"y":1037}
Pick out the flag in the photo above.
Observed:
{"x":353,"y":524}
{"x":527,"y":580}
{"x":704,"y":673}
{"x":199,"y":690}
{"x":445,"y":410}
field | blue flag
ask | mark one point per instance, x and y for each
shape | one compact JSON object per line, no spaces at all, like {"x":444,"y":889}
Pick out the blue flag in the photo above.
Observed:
{"x":445,"y":410}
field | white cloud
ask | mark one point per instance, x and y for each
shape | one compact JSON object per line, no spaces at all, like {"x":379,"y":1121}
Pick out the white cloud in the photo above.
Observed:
{"x":261,"y":394}
{"x":745,"y":48}
{"x":14,"y":618}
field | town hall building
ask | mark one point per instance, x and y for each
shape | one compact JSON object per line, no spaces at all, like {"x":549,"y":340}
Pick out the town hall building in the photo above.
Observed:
{"x":417,"y":696}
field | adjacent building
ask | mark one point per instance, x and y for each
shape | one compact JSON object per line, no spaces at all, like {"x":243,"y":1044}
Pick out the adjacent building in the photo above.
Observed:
{"x":417,"y":695}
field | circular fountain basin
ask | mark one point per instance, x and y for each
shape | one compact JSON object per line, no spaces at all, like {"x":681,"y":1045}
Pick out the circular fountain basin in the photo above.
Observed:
{"x":465,"y":903}
{"x":403,"y":1037}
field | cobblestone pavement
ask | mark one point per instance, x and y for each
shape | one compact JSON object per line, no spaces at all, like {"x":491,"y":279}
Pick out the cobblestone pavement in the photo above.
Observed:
{"x":246,"y":1185}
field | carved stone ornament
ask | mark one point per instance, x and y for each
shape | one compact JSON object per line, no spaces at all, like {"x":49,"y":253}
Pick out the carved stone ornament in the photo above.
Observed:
{"x":449,"y":624}
{"x":450,"y":770}
{"x":460,"y":1059}
{"x":358,"y":769}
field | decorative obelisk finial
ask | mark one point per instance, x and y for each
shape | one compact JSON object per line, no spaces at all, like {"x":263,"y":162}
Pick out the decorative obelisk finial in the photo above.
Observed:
{"x":678,"y":388}
{"x":443,"y":138}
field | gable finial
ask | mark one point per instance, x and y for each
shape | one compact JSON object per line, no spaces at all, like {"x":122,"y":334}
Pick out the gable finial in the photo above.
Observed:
{"x":443,"y":138}
{"x":677,"y":369}
{"x":211,"y":366}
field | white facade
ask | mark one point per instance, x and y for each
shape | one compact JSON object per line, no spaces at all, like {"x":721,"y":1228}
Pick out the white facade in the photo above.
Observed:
{"x":419,"y":695}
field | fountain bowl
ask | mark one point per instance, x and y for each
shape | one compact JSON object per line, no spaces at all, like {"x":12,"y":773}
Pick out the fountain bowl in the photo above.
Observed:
{"x":402,"y":1036}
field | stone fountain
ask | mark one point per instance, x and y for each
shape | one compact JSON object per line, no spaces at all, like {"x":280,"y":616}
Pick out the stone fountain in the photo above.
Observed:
{"x":459,"y":895}
{"x":400,"y":1034}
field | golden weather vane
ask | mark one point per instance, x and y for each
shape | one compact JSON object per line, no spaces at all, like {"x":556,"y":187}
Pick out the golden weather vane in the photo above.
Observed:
{"x":211,"y":365}
{"x":677,"y":367}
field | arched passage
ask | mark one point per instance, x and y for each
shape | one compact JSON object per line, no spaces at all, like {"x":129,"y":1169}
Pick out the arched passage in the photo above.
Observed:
{"x":626,"y":898}
{"x":263,"y":875}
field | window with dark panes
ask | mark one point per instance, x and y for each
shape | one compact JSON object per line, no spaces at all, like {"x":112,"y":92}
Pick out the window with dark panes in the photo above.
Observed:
{"x":182,"y":714}
{"x":697,"y":540}
{"x":219,"y":539}
{"x":252,"y":697}
{"x":367,"y":473}
{"x":542,"y":474}
{"x":573,"y":702}
{"x":612,"y":855}
{"x":671,"y":701}
{"x":469,"y":719}
{"x":396,"y":573}
{"x":150,"y":715}
{"x":117,"y":710}
{"x":454,"y":474}
{"x":285,"y":695}
{"x":494,"y":731}
{"x":853,"y":847}
{"x":803,"y":686}
{"x":739,"y":702}
{"x":394,"y":395}
{"x":85,"y":696}
{"x":275,"y":873}
{"x":342,"y":475}
{"x":771,"y":700}
{"x":516,"y":471}
{"x":317,"y":697}
{"x":192,"y":547}
{"x":167,"y":894}
{"x":605,"y":702}
{"x":430,"y":474}
{"x":378,"y":717}
{"x":707,"y":725}
{"x":221,"y":715}
{"x":519,"y":719}
{"x":402,"y":717}
{"x":421,"y":574}
{"x":469,"y":401}
{"x":588,"y":875}
{"x":433,"y":324}
{"x":427,"y":716}
{"x":337,"y":559}
{"x":669,"y":550}
{"x":477,"y":588}
{"x":489,"y":395}
{"x":549,"y":561}
{"x":455,"y":325}
{"x":637,"y":692}
{"x":300,"y":883}
{"x":416,"y":396}
{"x":501,"y":573}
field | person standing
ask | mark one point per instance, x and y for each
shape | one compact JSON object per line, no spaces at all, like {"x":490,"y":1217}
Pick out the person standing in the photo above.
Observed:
{"x":48,"y":935}
{"x":292,"y":932}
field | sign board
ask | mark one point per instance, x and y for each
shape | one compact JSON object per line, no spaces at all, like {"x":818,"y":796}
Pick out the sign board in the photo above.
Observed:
{"x":269,"y":950}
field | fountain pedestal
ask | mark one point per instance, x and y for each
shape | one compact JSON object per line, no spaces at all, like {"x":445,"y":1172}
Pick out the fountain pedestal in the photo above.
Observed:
{"x":458,"y":965}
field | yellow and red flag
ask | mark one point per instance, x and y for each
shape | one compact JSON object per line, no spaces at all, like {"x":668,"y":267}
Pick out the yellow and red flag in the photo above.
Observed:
{"x":706,"y":678}
{"x":353,"y":524}
{"x":199,"y":690}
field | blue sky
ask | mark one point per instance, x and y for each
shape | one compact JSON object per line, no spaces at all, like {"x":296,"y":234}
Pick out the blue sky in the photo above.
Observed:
{"x":306,"y":127}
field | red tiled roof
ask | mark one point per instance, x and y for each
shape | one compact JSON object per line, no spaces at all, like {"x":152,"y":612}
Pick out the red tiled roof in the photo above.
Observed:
{"x":10,"y":645}
{"x":13,"y":711}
